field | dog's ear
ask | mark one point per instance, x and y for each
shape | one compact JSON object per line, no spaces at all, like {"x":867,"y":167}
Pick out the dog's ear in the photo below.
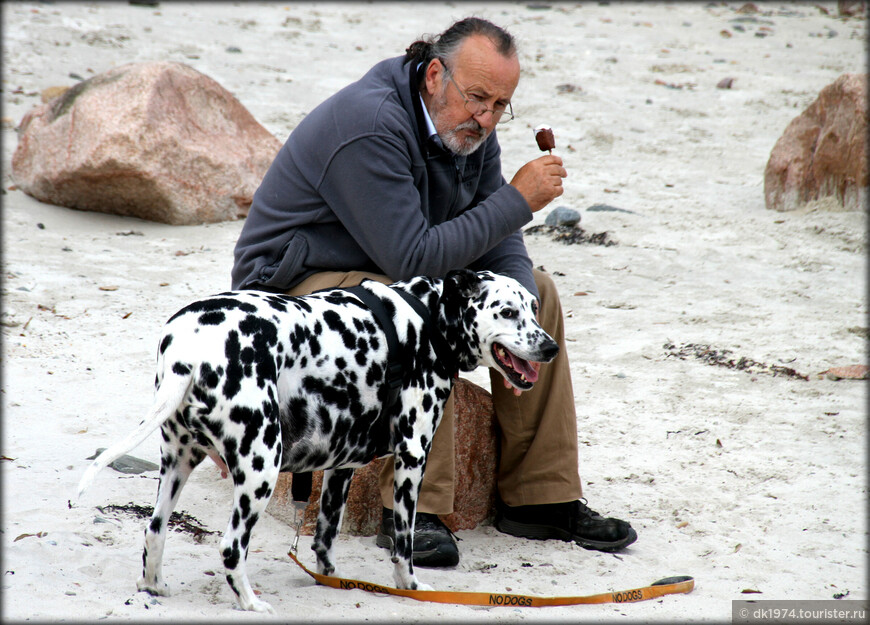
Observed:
{"x":463,"y":283}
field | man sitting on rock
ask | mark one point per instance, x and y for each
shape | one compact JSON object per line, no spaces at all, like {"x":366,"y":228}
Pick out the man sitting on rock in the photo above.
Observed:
{"x":399,"y":175}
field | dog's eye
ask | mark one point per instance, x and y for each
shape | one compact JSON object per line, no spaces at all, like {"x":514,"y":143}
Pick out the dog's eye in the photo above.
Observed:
{"x":535,"y":307}
{"x":509,"y":313}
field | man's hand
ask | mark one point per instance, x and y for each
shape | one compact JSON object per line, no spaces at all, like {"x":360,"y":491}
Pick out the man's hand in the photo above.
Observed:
{"x":540,"y":181}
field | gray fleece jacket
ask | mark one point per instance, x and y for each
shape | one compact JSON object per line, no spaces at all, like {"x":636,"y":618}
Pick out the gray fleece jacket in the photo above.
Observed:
{"x":358,"y":186}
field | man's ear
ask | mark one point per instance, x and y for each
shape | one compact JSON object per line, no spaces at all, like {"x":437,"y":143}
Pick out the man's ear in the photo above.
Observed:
{"x":463,"y":282}
{"x":433,"y":70}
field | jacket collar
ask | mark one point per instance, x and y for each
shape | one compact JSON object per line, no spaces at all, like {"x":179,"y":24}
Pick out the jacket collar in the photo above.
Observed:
{"x":430,"y":144}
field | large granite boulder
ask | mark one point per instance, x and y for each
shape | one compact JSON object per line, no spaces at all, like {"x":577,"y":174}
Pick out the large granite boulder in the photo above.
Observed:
{"x":823,"y":152}
{"x":159,"y":141}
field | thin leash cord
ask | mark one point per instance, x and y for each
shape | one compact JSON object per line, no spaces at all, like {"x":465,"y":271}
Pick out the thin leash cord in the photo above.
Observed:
{"x":668,"y":586}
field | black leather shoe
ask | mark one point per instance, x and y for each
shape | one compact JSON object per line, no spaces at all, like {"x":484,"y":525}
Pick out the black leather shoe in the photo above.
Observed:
{"x":434,"y":544}
{"x":572,"y":520}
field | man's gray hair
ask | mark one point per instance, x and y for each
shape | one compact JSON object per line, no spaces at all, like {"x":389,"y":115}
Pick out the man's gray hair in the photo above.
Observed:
{"x":445,"y":45}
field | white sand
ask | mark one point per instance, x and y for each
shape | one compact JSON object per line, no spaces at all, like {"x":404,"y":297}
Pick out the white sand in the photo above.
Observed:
{"x":745,"y":481}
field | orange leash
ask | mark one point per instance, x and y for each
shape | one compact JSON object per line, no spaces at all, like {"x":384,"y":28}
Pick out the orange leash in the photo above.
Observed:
{"x":667,"y":586}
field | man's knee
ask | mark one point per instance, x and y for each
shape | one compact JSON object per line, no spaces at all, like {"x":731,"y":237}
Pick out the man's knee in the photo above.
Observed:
{"x":546,"y":286}
{"x":333,"y":279}
{"x":551,"y":306}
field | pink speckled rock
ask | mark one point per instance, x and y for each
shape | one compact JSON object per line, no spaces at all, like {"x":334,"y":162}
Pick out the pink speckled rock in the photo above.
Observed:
{"x":474,"y":496}
{"x":823,"y":152}
{"x":159,"y":141}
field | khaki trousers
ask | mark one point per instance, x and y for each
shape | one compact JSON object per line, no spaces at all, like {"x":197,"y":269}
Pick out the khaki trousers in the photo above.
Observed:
{"x":538,"y":430}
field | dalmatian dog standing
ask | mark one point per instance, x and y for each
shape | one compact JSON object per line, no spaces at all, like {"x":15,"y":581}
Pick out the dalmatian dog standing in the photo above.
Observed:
{"x":264,"y":383}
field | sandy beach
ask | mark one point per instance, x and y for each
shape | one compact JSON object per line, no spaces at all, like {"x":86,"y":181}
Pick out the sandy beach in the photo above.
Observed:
{"x":752,"y":479}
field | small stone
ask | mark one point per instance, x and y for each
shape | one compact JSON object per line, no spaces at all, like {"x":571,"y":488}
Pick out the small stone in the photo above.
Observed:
{"x":607,"y":208}
{"x":128,"y":464}
{"x":563,"y":216}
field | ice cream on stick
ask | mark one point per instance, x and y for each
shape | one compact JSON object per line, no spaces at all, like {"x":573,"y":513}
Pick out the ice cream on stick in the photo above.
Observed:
{"x":544,"y":137}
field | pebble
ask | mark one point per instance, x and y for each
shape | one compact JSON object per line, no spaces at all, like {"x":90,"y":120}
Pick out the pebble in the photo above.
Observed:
{"x":563,"y":216}
{"x":129,"y":464}
{"x":606,"y":208}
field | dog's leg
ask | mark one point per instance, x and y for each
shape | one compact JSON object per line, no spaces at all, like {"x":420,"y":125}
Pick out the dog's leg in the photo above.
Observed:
{"x":176,"y":465}
{"x":254,"y":478}
{"x":336,"y":483}
{"x":408,"y":474}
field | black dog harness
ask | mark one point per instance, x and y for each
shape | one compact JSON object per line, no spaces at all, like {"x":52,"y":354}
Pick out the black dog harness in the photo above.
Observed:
{"x":300,"y":488}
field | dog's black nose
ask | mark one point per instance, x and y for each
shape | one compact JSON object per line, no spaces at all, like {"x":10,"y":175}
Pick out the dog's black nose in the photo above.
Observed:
{"x":549,"y":350}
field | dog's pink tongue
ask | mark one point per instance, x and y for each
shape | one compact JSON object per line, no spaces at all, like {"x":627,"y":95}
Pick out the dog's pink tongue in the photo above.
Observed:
{"x":524,"y":367}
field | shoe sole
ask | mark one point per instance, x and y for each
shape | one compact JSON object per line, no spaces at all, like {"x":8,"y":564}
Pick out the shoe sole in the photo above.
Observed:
{"x":544,"y":532}
{"x":431,"y":559}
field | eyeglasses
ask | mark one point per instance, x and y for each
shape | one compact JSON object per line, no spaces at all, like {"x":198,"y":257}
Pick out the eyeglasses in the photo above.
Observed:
{"x":501,"y":113}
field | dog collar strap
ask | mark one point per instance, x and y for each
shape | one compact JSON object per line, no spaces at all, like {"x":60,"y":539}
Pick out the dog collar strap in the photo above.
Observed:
{"x":668,"y":586}
{"x":394,"y":363}
{"x":442,"y":350}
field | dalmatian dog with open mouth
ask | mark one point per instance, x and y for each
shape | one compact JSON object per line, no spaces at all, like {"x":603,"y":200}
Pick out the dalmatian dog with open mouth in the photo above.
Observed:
{"x":265,"y":383}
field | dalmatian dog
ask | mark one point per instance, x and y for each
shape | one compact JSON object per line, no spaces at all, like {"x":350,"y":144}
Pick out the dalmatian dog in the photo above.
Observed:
{"x":264,"y":383}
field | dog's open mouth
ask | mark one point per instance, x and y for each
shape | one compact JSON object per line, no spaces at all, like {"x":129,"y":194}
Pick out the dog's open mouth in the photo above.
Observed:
{"x":518,"y":371}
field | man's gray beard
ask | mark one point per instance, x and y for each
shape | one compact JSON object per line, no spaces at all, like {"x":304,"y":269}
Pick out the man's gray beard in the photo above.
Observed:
{"x":450,"y":138}
{"x":463,"y":147}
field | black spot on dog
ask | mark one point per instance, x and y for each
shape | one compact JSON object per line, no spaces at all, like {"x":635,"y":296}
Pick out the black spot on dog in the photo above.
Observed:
{"x":208,"y":400}
{"x":213,"y":318}
{"x":239,"y":477}
{"x":301,"y":304}
{"x":215,"y":304}
{"x":374,"y":375}
{"x":257,"y":463}
{"x":165,"y":343}
{"x":277,"y":303}
{"x":230,"y":455}
{"x":180,"y":368}
{"x":263,"y":491}
{"x":334,"y":323}
{"x":231,"y":561}
{"x":330,"y":395}
{"x":232,"y":351}
{"x":270,"y":436}
{"x":208,"y":376}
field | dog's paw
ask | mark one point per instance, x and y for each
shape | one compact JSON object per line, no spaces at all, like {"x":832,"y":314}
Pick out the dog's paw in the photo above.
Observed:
{"x":409,"y":581}
{"x":329,"y":571}
{"x":258,"y":605}
{"x":160,"y":589}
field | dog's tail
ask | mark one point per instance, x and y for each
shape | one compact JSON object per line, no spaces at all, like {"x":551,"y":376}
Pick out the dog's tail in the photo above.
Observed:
{"x":170,"y":394}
